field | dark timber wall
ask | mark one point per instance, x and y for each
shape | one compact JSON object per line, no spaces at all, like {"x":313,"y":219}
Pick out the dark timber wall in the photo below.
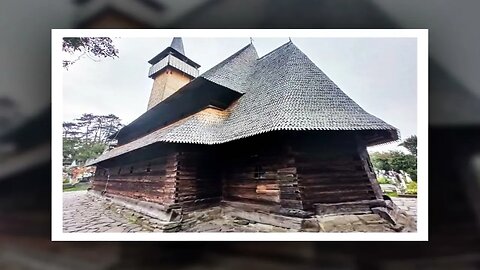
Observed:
{"x":250,"y":175}
{"x":281,"y":172}
{"x":183,"y":175}
{"x":332,"y":170}
{"x":295,"y":171}
{"x":198,"y":177}
{"x":150,"y":180}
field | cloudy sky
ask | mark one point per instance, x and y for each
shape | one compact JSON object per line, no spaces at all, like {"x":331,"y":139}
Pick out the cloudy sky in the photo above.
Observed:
{"x":378,"y":73}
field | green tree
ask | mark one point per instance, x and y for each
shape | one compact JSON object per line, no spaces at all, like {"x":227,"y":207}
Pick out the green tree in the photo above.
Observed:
{"x":411,"y":144}
{"x":87,"y":137}
{"x":89,"y":150}
{"x":70,"y":146}
{"x":94,"y":48}
{"x":395,"y":161}
{"x":381,"y":161}
{"x":80,"y":151}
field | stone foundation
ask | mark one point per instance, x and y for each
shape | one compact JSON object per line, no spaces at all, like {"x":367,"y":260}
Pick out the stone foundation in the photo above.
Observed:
{"x":225,"y":218}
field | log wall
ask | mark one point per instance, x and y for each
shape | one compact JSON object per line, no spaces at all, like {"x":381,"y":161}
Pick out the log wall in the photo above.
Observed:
{"x":185,"y":176}
{"x":198,"y":177}
{"x":333,"y":170}
{"x":287,"y":173}
{"x":256,"y":171}
{"x":152,"y":180}
{"x":298,"y":171}
{"x":252,"y":179}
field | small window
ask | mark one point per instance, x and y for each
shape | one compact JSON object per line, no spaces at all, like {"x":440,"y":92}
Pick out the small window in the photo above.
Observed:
{"x":119,"y":171}
{"x":131,"y":169}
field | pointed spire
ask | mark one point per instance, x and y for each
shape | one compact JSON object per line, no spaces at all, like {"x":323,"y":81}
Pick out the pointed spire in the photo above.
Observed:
{"x":177,"y":44}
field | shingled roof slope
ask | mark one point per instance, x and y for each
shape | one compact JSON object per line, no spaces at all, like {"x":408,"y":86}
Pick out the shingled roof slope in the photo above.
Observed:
{"x":234,"y":71}
{"x":283,"y":90}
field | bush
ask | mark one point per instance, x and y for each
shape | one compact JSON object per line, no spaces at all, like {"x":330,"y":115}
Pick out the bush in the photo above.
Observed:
{"x":383,"y":180}
{"x":395,"y":161}
{"x":411,"y":188}
{"x":392,"y":194}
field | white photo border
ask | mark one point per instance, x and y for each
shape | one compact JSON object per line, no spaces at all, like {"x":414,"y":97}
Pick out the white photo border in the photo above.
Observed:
{"x":421,"y":36}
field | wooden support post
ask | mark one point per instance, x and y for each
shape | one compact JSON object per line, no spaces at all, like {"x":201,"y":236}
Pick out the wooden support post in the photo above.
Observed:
{"x":367,"y":165}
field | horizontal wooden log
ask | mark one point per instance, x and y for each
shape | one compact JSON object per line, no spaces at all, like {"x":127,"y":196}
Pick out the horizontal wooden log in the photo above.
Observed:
{"x":289,"y":203}
{"x":267,"y":218}
{"x":251,"y":206}
{"x":290,"y":170}
{"x":254,"y":197}
{"x":356,"y":207}
{"x":333,"y":181}
{"x":333,"y":187}
{"x":336,"y":193}
{"x":338,"y":199}
{"x":251,"y":184}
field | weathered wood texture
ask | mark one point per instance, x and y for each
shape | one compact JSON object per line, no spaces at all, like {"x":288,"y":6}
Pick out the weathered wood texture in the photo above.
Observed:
{"x":186,"y":176}
{"x":165,"y":84}
{"x":368,"y":167}
{"x":296,"y":172}
{"x":287,"y":173}
{"x":332,"y":170}
{"x":198,"y":177}
{"x":251,"y":172}
{"x":152,"y":180}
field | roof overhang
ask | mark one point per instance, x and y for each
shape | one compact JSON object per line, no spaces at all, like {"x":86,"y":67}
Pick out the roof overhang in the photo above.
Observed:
{"x":172,"y":51}
{"x":186,"y":101}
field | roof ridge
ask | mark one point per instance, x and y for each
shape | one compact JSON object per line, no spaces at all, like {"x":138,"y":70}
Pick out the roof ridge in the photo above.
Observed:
{"x":274,"y":50}
{"x":228,"y":59}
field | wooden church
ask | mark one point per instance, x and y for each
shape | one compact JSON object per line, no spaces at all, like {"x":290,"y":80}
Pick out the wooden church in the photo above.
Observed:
{"x":270,"y":133}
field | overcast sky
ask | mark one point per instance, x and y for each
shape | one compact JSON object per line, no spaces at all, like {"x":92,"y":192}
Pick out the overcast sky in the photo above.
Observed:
{"x":378,"y":73}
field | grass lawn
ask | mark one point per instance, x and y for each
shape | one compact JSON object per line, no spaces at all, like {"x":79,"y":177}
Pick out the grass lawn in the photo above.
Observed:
{"x":391,"y":194}
{"x":77,"y":187}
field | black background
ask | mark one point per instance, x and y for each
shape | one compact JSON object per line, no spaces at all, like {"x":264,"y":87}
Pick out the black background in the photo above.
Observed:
{"x":454,"y":137}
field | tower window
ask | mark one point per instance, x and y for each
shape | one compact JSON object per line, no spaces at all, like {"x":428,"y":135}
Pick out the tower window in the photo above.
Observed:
{"x":131,"y":169}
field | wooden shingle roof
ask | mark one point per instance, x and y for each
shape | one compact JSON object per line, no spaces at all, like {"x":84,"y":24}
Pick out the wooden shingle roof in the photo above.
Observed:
{"x":283,"y":90}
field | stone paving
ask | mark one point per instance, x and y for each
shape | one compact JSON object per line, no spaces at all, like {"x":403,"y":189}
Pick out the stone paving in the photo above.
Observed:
{"x":84,"y":213}
{"x":408,"y":205}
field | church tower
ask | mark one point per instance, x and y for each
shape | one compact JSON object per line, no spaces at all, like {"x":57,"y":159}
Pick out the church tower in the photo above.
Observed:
{"x":170,"y":71}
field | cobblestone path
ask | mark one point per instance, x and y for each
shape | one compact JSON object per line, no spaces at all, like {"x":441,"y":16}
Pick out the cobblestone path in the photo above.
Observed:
{"x":84,"y":213}
{"x":409,"y":205}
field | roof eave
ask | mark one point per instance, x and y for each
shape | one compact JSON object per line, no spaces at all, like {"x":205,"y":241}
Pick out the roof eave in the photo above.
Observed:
{"x":170,"y":50}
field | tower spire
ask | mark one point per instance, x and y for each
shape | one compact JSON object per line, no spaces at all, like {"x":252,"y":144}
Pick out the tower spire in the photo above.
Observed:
{"x":177,"y":44}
